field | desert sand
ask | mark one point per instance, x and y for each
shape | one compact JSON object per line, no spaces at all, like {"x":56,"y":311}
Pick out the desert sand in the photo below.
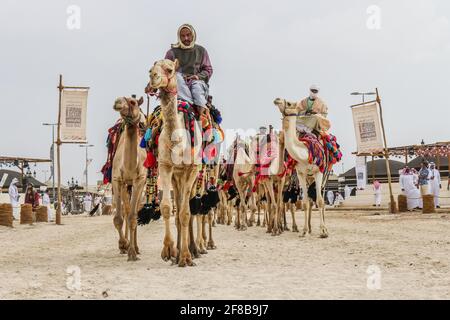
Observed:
{"x":411,"y":251}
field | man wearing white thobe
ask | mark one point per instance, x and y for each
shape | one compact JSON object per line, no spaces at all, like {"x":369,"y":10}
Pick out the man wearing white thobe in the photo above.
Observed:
{"x":14,"y":198}
{"x":87,"y":202}
{"x":347,"y":192}
{"x":408,"y":183}
{"x":434,"y":178}
{"x":46,"y":203}
{"x":330,"y":196}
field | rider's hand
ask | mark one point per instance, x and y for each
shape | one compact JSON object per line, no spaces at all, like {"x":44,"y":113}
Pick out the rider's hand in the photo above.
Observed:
{"x":194,"y":77}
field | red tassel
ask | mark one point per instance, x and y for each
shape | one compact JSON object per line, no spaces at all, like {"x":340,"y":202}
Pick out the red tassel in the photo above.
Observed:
{"x":150,"y":161}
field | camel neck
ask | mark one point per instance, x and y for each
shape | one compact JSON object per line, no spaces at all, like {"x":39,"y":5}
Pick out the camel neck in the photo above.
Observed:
{"x":169,"y":109}
{"x":131,"y":148}
{"x":295,"y":148}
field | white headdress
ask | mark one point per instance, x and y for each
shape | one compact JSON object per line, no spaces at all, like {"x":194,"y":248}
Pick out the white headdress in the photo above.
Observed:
{"x":180,"y":44}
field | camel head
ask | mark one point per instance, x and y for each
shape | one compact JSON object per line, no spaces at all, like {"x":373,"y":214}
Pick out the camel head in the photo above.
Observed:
{"x":129,"y":109}
{"x":162,"y":76}
{"x":287,"y":108}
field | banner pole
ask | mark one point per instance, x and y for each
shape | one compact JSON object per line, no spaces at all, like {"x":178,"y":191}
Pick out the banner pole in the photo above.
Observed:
{"x":393,"y":205}
{"x":58,"y":152}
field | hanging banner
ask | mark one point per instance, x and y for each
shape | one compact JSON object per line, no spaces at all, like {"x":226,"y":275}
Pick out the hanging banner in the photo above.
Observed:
{"x":367,"y":125}
{"x":361,"y":173}
{"x":73,"y":116}
{"x":3,"y":181}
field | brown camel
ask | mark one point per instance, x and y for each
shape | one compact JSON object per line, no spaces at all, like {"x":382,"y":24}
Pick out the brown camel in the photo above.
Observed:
{"x":176,"y":165}
{"x":306,"y":172}
{"x":128,"y":171}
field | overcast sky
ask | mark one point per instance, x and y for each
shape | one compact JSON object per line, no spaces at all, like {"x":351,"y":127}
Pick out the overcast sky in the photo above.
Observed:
{"x":259,"y":49}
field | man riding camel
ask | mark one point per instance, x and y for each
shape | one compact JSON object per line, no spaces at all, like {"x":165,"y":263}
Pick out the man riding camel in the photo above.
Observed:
{"x":312,"y":113}
{"x":194,"y":71}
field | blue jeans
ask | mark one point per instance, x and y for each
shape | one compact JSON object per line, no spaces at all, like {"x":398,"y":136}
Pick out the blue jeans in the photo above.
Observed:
{"x":195,"y":92}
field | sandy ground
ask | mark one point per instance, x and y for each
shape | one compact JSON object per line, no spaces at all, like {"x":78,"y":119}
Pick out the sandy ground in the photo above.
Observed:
{"x":411,"y":252}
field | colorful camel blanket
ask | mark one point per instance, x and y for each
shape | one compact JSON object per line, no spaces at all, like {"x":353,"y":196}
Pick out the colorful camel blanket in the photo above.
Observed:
{"x":212,"y":133}
{"x":324,"y":153}
{"x":111,"y":143}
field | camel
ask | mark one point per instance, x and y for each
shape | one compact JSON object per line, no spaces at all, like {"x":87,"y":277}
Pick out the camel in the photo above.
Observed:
{"x":128,"y":170}
{"x":244,"y":179}
{"x":274,"y":179}
{"x":307,"y":173}
{"x":176,"y":165}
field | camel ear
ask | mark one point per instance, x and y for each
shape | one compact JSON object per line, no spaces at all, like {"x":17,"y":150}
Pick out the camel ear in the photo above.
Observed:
{"x":140,"y":101}
{"x":176,"y":64}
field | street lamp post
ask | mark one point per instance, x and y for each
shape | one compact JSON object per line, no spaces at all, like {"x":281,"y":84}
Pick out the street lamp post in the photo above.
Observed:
{"x":53,"y":157}
{"x":86,"y":171}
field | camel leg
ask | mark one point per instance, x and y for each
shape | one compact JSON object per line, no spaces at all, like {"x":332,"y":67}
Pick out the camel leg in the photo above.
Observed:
{"x":214,"y":218}
{"x":165,"y":173}
{"x":242,"y":216}
{"x":321,"y":205}
{"x":258,"y":205}
{"x":211,"y":245}
{"x":280,"y":206}
{"x":229,"y":209}
{"x":118,"y":217}
{"x":186,"y":185}
{"x":237,"y":220}
{"x":311,"y":205}
{"x":195,"y":252}
{"x":307,"y":204}
{"x":204,"y":237}
{"x":200,"y":241}
{"x":294,"y":224}
{"x":253,"y":208}
{"x":138,"y":187}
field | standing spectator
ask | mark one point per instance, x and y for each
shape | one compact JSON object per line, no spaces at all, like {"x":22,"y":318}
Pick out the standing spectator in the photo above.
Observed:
{"x":423,"y":178}
{"x":435,"y":183}
{"x":377,"y":193}
{"x":347,"y":191}
{"x":46,"y":203}
{"x":32,"y":197}
{"x":330,"y":196}
{"x":14,"y":197}
{"x":87,"y":202}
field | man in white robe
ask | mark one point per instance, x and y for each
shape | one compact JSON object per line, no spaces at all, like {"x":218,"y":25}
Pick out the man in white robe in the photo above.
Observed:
{"x":14,"y":198}
{"x":46,"y":203}
{"x":408,"y":183}
{"x":347,"y":191}
{"x":330,"y":196}
{"x":434,"y":178}
{"x":87,"y":202}
{"x":377,"y":193}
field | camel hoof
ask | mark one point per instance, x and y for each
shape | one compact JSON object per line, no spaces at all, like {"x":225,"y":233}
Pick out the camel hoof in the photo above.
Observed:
{"x":211,"y":246}
{"x":203,"y":251}
{"x":287,"y":229}
{"x":324,"y":235}
{"x":132,"y":256}
{"x":295,"y":229}
{"x":123,"y":246}
{"x":168,"y":253}
{"x":186,"y":263}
